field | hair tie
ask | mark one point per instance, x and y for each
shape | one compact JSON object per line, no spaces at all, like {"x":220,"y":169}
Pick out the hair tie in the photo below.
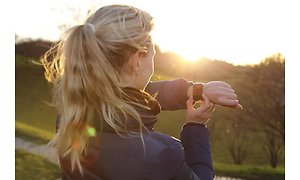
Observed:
{"x":92,"y":27}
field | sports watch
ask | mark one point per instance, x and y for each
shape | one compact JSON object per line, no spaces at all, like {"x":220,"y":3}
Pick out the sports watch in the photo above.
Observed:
{"x":197,"y":91}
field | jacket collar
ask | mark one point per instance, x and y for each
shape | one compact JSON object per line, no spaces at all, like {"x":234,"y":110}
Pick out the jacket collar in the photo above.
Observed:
{"x":148,"y":116}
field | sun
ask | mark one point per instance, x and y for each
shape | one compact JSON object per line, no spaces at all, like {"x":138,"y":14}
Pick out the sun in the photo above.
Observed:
{"x":190,"y":52}
{"x":189,"y":55}
{"x":193,"y":56}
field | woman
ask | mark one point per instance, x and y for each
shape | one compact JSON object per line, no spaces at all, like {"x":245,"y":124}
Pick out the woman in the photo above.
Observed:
{"x":100,"y":73}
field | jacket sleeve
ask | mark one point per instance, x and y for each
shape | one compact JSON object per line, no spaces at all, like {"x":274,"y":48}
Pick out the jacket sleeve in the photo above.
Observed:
{"x":195,"y":141}
{"x":192,"y":163}
{"x":172,"y":94}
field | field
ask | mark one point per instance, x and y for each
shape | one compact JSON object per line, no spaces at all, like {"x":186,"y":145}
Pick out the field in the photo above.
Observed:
{"x":30,"y":166}
{"x":35,"y":121}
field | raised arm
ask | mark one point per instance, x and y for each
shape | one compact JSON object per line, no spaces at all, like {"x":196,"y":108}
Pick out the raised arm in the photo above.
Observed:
{"x":172,"y":94}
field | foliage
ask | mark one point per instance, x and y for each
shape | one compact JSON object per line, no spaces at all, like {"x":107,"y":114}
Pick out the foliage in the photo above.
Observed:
{"x":265,"y":105}
{"x":30,"y":166}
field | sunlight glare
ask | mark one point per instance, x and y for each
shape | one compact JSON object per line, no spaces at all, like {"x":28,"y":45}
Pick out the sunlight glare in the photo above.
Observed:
{"x":234,"y":35}
{"x":234,"y":31}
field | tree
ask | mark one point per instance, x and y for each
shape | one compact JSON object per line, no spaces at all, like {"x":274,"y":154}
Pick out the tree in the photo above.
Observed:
{"x":233,"y":134}
{"x":240,"y":145}
{"x":272,"y":146}
{"x":264,"y":103}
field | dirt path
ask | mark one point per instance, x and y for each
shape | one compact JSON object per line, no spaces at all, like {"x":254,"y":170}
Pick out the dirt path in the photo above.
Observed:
{"x":42,"y":150}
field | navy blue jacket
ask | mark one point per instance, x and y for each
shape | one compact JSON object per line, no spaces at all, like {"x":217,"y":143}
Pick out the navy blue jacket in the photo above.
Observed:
{"x":163,"y":157}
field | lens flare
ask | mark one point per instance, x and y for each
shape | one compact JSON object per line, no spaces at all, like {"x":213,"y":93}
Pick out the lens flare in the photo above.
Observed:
{"x":75,"y":145}
{"x":91,"y":131}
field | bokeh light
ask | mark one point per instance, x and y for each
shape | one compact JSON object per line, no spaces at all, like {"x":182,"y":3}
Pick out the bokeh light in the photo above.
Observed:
{"x":91,"y":131}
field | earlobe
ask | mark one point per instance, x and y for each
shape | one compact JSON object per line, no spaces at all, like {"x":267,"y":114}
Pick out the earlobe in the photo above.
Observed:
{"x":134,"y":62}
{"x":138,"y":62}
{"x":137,"y":58}
{"x":137,"y":70}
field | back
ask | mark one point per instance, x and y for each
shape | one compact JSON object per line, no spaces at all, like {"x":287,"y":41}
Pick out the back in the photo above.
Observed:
{"x":125,"y":158}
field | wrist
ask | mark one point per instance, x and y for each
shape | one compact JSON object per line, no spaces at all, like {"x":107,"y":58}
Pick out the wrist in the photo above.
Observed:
{"x":204,"y":89}
{"x":189,"y":91}
{"x":195,"y":124}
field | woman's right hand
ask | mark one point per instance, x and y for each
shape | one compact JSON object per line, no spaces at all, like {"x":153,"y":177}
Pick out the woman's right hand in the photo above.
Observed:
{"x":200,"y":115}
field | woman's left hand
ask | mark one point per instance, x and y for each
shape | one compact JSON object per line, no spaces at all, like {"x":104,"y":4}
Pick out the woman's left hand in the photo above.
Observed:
{"x":221,"y":93}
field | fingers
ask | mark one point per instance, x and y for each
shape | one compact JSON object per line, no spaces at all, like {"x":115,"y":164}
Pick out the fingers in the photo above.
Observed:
{"x":224,"y":95}
{"x":189,"y":103}
{"x":225,"y":84}
{"x":205,"y":106}
{"x":239,"y":106}
{"x":232,"y":102}
{"x":228,"y":90}
{"x":212,"y":108}
{"x":231,"y":96}
{"x":201,"y":114}
{"x":205,"y":111}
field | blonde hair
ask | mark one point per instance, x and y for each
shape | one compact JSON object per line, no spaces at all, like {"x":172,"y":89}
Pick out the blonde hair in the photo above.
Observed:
{"x":85,"y":70}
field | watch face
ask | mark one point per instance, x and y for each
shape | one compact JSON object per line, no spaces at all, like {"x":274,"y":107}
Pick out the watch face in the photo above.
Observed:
{"x":197,"y":92}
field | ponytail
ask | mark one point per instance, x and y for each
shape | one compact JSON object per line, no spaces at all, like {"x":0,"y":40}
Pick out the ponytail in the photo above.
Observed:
{"x":85,"y":71}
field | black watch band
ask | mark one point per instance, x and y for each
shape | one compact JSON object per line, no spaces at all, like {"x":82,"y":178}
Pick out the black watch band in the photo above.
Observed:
{"x":197,"y":91}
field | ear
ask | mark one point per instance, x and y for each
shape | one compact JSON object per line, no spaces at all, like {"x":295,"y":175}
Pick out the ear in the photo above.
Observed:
{"x":136,"y":58}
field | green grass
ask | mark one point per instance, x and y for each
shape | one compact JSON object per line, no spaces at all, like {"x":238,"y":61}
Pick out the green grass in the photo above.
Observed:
{"x":249,"y":172}
{"x":30,"y":167}
{"x":257,"y":157}
{"x":32,"y":134}
{"x":32,"y":92}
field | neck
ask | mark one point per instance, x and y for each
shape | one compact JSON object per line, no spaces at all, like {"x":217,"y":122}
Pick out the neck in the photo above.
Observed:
{"x":131,"y":81}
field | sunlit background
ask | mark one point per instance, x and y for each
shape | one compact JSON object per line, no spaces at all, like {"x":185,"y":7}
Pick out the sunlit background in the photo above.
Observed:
{"x":238,"y":32}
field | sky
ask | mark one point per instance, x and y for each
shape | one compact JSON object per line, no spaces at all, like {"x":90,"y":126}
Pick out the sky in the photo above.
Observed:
{"x":239,"y":32}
